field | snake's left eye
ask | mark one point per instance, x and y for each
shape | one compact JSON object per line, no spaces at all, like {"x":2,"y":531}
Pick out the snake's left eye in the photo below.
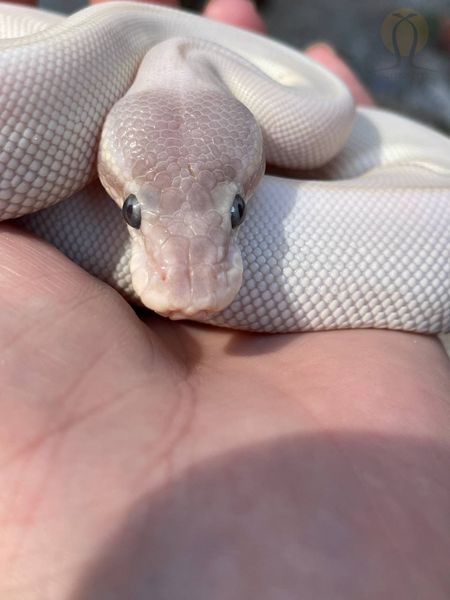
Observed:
{"x":131,"y":211}
{"x":237,"y":211}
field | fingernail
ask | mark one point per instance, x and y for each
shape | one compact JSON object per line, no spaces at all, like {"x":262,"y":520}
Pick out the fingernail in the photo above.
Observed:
{"x":321,"y":46}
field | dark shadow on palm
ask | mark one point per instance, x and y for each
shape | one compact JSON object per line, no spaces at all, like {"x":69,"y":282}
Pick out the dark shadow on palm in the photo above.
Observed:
{"x":344,"y":516}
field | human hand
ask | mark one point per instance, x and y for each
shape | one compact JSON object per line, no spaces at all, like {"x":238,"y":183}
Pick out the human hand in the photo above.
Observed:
{"x":146,"y":458}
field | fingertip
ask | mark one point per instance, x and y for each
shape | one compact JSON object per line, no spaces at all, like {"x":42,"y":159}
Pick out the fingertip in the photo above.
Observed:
{"x":321,"y":50}
{"x":242,"y":13}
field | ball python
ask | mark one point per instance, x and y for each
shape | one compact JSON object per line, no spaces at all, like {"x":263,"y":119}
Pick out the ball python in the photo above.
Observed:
{"x":177,"y":116}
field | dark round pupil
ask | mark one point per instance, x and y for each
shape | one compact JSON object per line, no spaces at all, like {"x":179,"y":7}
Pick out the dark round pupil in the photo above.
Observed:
{"x":131,"y":211}
{"x":237,"y":211}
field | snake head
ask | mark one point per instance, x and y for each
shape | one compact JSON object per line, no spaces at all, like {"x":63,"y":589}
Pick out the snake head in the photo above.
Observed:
{"x":182,"y":167}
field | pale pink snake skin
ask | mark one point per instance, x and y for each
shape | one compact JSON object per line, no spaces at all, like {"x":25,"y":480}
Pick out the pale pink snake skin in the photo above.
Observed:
{"x":361,"y":239}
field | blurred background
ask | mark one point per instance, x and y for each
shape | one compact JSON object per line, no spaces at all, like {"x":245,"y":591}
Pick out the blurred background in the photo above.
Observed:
{"x":401,"y":53}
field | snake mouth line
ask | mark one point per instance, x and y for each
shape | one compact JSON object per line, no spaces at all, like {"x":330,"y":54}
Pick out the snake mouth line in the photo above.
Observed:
{"x":185,"y":291}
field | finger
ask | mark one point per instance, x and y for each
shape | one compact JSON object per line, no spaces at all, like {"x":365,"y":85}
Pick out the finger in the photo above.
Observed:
{"x":22,"y":2}
{"x":324,"y":54}
{"x":166,"y":2}
{"x":242,"y":13}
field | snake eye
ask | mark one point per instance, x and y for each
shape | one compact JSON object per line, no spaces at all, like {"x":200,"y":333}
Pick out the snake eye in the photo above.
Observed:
{"x":237,"y":211}
{"x":131,"y":211}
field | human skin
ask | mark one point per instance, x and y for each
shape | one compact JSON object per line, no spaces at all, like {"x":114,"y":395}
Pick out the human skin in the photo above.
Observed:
{"x":142,"y":458}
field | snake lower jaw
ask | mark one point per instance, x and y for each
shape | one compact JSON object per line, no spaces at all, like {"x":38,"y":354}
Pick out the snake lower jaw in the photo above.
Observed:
{"x":200,"y":310}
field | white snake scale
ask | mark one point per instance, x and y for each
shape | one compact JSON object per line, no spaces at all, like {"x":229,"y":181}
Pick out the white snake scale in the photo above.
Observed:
{"x":362,"y":239}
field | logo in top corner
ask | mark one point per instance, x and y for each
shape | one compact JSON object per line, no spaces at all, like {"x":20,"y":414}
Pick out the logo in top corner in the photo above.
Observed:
{"x":404,"y":33}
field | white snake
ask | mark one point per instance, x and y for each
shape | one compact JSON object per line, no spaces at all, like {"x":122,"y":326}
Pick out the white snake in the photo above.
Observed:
{"x":360,"y":239}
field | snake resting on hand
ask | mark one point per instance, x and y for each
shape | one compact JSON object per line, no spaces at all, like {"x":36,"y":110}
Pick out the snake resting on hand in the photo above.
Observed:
{"x":177,"y":115}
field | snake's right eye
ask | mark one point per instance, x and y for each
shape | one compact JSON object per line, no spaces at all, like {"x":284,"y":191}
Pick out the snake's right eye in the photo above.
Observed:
{"x":131,"y":211}
{"x":237,"y":211}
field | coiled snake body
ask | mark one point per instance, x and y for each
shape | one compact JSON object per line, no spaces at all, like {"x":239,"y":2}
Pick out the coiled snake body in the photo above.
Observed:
{"x":178,"y":114}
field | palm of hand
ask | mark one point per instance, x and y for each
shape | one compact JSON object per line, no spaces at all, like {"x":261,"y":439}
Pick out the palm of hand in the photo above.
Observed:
{"x":171,"y":459}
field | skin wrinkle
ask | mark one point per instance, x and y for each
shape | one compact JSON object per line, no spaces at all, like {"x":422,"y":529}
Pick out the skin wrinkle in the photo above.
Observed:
{"x":33,"y":328}
{"x":49,"y":280}
{"x":65,"y":314}
{"x":161,"y":457}
{"x":36,"y":498}
{"x":182,"y":432}
{"x":158,"y":456}
{"x":62,"y":428}
{"x":69,"y":423}
{"x":70,"y":391}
